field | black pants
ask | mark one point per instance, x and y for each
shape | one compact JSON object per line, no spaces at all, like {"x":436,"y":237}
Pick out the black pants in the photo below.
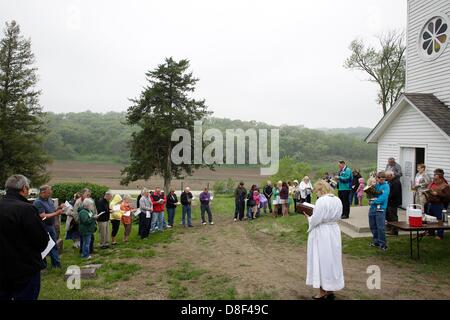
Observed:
{"x":239,"y":210}
{"x":205,"y":208}
{"x":269,"y":203}
{"x":391,"y":216}
{"x":144,"y":225}
{"x":344,"y":195}
{"x":115,"y":227}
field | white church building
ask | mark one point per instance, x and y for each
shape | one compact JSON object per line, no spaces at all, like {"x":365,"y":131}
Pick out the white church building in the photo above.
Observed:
{"x":417,"y":128}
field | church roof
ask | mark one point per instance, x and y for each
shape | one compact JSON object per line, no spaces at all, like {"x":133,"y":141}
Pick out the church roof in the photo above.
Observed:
{"x":427,"y":104}
{"x":433,"y":108}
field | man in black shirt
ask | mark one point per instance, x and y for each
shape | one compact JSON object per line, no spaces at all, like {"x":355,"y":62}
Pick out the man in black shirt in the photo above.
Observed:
{"x":395,"y":200}
{"x":103,"y":219}
{"x":239,"y":197}
{"x":186,"y":200}
{"x":268,"y":190}
{"x":22,"y":239}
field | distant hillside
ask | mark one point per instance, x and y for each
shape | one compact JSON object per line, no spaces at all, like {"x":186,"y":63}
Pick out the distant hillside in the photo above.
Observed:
{"x":358,"y":132}
{"x":91,"y":136}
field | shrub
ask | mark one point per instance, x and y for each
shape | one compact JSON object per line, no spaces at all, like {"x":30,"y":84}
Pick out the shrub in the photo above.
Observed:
{"x":230,"y":185}
{"x":65,"y":191}
{"x":219,"y":187}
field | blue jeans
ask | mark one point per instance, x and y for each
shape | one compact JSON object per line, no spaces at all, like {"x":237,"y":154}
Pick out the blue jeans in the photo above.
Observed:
{"x":186,"y":210}
{"x":435,"y":210}
{"x":171,"y":215}
{"x":30,"y":291}
{"x":54,"y":255}
{"x":85,"y":247}
{"x":376,"y":223}
{"x":157,"y":221}
{"x":249,"y":212}
{"x":354,"y":198}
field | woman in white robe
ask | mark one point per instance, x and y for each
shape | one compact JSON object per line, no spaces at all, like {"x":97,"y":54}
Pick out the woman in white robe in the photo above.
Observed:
{"x":324,"y":262}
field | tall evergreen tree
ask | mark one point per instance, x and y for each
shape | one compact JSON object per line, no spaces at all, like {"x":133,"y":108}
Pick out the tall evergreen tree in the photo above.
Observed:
{"x":163,"y":106}
{"x":21,"y":123}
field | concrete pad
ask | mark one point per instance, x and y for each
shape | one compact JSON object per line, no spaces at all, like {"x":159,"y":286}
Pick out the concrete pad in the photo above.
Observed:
{"x":357,"y":226}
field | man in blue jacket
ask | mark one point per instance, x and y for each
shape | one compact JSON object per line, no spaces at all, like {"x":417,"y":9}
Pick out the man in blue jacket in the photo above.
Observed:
{"x":345,"y":180}
{"x":377,"y":212}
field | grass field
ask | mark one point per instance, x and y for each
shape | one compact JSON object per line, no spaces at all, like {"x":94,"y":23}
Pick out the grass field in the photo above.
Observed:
{"x":261,"y":259}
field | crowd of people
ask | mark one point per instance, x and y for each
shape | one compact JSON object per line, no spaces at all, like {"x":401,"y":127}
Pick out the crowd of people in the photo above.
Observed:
{"x":26,"y":228}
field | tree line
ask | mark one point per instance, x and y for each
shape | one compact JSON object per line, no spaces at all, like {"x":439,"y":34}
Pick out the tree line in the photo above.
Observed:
{"x":89,"y":136}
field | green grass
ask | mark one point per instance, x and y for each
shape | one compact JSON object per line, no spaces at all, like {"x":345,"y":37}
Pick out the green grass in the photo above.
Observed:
{"x":190,"y":281}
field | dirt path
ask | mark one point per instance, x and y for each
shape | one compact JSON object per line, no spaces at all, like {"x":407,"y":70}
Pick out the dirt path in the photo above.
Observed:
{"x":259,"y":264}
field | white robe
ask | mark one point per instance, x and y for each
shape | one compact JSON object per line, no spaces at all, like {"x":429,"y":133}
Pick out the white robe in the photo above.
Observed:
{"x":324,"y":264}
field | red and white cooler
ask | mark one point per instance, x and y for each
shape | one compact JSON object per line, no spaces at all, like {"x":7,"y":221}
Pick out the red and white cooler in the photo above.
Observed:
{"x":414,"y":215}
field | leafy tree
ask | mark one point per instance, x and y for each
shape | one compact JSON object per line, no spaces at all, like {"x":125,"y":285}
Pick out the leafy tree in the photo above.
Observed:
{"x":21,"y":126}
{"x":385,"y":66}
{"x":163,"y":106}
{"x":290,"y":170}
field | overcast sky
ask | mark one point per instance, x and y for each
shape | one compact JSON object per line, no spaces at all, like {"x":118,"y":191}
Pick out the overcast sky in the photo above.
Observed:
{"x":279,"y":62}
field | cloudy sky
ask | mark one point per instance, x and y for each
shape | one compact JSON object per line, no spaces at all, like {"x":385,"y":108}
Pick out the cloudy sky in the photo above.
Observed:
{"x":274,"y":61}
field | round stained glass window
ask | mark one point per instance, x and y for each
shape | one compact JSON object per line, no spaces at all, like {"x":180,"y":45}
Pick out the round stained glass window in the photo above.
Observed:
{"x":434,"y":37}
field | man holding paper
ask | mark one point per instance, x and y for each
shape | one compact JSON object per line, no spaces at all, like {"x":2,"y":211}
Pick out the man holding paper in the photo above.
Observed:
{"x":158,"y":201}
{"x":103,"y":219}
{"x":22,"y":239}
{"x":48,"y":214}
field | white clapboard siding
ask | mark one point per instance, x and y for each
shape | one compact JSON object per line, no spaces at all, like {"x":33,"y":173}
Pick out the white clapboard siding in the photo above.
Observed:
{"x":426,"y":76}
{"x":412,"y":129}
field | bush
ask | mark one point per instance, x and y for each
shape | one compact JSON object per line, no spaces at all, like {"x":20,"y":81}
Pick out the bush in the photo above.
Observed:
{"x":65,"y":191}
{"x":219,"y":187}
{"x":224,"y":187}
{"x":230,"y":185}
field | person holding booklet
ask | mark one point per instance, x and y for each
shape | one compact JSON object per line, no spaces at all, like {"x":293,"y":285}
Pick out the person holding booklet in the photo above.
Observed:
{"x":324,"y":257}
{"x":22,"y":239}
{"x":172,"y":202}
{"x":48,"y":213}
{"x":103,"y":219}
{"x":127,"y":219}
{"x":115,"y":217}
{"x":158,"y":200}
{"x":145,"y":216}
{"x":88,"y":225}
{"x":205,"y":199}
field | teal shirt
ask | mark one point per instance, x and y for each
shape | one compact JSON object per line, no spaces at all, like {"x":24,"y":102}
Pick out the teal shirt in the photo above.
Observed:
{"x":382,"y":199}
{"x":345,"y":179}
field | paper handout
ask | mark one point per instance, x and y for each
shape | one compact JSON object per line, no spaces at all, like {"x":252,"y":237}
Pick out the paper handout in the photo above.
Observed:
{"x":50,"y":246}
{"x":136,"y":213}
{"x":127,"y":214}
{"x":116,"y":207}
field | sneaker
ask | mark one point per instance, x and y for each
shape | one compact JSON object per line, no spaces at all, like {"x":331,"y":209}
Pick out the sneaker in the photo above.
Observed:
{"x":235,"y":220}
{"x":374,"y":245}
{"x":204,"y":223}
{"x":190,"y":226}
{"x":383,"y":248}
{"x":211,"y":223}
{"x":169,"y":226}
